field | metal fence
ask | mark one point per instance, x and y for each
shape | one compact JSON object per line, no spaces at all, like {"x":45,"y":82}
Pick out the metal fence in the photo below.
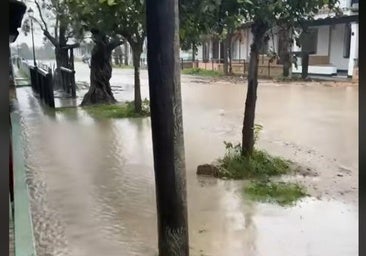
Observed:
{"x":68,"y":81}
{"x":42,"y":85}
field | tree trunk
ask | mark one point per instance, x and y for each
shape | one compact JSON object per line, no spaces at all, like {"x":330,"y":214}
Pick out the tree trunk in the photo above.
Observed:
{"x":126,"y":53}
{"x":304,"y":65}
{"x":258,"y":30}
{"x":100,"y":91}
{"x":136,"y":64}
{"x":226,"y":50}
{"x":61,"y":61}
{"x":284,"y":52}
{"x":230,"y":46}
{"x":167,"y":126}
{"x":193,"y":53}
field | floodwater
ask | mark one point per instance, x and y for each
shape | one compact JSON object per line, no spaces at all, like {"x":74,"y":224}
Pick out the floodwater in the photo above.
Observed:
{"x":92,"y":182}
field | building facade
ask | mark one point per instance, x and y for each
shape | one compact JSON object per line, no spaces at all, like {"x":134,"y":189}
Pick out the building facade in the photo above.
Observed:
{"x":332,"y":41}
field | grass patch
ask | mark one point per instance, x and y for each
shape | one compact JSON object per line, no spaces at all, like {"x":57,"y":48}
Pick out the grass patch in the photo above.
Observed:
{"x":201,"y":72}
{"x":124,"y":110}
{"x":22,"y":74}
{"x":282,"y":193}
{"x":122,"y":66}
{"x":293,"y":78}
{"x":259,"y":165}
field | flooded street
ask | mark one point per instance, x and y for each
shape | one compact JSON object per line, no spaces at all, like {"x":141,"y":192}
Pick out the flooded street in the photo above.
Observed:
{"x":92,"y":182}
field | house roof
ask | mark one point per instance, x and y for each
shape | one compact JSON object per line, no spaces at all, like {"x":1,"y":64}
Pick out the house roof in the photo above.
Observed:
{"x":332,"y":20}
{"x":320,"y":21}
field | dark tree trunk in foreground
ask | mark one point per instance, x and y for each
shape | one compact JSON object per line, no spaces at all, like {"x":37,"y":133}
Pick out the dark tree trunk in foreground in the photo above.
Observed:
{"x":136,"y":64}
{"x":258,"y":30}
{"x":100,"y":72}
{"x":167,"y":126}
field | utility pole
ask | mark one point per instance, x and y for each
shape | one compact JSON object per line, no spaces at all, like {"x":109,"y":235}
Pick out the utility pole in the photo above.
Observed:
{"x":162,"y":21}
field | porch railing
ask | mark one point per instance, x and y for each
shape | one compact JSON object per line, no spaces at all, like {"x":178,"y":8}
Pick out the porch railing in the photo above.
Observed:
{"x":42,"y":85}
{"x":68,"y":81}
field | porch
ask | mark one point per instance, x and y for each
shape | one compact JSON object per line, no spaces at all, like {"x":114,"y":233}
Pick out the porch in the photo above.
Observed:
{"x":334,"y":42}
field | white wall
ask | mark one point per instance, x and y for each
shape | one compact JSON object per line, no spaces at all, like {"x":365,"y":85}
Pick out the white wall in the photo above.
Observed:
{"x":344,"y":3}
{"x":353,"y":49}
{"x":323,"y":41}
{"x":336,"y":49}
{"x":199,"y":52}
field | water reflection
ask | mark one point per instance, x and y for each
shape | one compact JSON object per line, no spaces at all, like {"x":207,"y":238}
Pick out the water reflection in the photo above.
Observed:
{"x":92,"y":181}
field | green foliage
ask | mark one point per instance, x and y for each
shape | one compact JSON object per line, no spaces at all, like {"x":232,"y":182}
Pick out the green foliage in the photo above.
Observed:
{"x":257,"y":129}
{"x":282,"y":193}
{"x":201,"y":72}
{"x":259,"y":165}
{"x":115,"y":18}
{"x":234,"y":165}
{"x":53,"y":17}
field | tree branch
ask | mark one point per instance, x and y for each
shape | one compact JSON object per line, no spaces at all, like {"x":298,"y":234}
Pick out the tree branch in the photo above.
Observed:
{"x":51,"y":38}
{"x":114,"y":43}
{"x":38,"y":22}
{"x":40,"y":14}
{"x":56,"y":27}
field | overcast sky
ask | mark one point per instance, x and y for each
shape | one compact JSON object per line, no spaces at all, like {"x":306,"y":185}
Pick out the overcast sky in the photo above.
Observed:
{"x":38,"y":34}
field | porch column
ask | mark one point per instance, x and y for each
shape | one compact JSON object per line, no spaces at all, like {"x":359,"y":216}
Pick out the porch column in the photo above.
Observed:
{"x":353,"y":54}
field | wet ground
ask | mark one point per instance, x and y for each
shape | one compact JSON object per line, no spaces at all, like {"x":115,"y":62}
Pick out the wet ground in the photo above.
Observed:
{"x":92,"y":181}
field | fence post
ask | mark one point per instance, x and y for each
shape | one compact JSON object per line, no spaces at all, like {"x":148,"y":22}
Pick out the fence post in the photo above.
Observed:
{"x":73,"y":88}
{"x":51,"y":98}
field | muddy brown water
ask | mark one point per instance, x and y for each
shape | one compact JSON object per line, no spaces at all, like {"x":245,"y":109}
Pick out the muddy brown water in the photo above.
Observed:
{"x":92,"y":182}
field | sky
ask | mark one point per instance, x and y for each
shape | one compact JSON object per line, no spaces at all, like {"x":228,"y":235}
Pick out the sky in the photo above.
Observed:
{"x":38,"y":34}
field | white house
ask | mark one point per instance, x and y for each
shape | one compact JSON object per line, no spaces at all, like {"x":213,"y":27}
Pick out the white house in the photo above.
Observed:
{"x":333,"y":41}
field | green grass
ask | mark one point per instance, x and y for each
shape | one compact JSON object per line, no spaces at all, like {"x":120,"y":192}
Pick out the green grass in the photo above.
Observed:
{"x":259,"y":168}
{"x":282,"y":193}
{"x":118,"y":110}
{"x":124,"y":110}
{"x":293,"y":78}
{"x":122,"y":66}
{"x":201,"y":72}
{"x":22,"y":74}
{"x":259,"y":165}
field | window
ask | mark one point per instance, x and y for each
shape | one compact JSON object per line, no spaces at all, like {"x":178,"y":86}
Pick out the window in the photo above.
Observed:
{"x":309,"y":40}
{"x":347,"y":40}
